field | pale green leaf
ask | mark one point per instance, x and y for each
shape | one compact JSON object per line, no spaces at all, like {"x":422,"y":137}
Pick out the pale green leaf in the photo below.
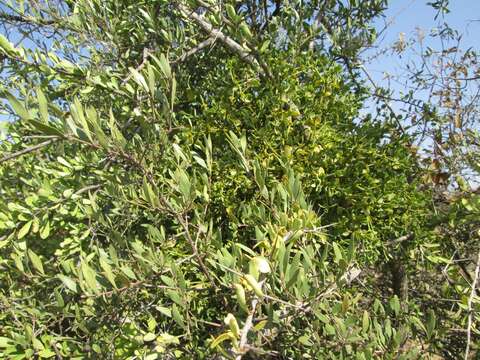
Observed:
{"x":42,"y":105}
{"x":6,"y":45}
{"x":221,"y":338}
{"x":149,"y":337}
{"x":18,"y":107}
{"x":90,"y":276}
{"x":68,"y":282}
{"x":177,"y":316}
{"x":5,"y":342}
{"x":139,"y":79}
{"x":36,"y":261}
{"x":24,"y":230}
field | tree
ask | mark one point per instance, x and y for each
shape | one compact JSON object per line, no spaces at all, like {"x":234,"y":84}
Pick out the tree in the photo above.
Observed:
{"x":191,"y":179}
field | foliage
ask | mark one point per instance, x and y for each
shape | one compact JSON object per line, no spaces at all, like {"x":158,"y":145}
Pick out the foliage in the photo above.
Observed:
{"x":195,"y":181}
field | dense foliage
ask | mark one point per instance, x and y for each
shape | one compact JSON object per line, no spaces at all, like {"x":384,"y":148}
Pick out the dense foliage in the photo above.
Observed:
{"x":194,"y":179}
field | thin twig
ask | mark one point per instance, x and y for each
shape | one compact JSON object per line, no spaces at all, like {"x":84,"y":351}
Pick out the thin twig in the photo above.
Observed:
{"x":194,"y":50}
{"x":29,"y":149}
{"x":470,"y":310}
{"x":27,"y":20}
{"x":246,"y":328}
{"x":318,"y":229}
{"x":387,"y":104}
{"x":146,"y":54}
{"x":193,"y":246}
{"x":212,"y":10}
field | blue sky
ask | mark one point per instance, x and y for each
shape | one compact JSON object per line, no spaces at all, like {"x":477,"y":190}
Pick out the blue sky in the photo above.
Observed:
{"x":404,"y":16}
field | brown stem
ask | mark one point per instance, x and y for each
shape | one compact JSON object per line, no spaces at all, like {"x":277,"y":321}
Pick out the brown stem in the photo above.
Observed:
{"x":29,"y":149}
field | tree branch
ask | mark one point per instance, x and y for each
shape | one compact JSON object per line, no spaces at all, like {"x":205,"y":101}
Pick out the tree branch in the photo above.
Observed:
{"x":193,"y":51}
{"x":246,"y":328}
{"x":29,"y":149}
{"x":26,"y":20}
{"x":217,"y":34}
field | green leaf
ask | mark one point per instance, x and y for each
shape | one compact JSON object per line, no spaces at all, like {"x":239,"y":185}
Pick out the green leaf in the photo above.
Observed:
{"x":149,"y":194}
{"x":36,"y":261}
{"x":293,"y":278}
{"x":175,"y":296}
{"x":149,"y":337}
{"x":165,"y":311}
{"x":45,"y":129}
{"x":221,"y":338}
{"x":46,"y":353}
{"x":108,"y":272}
{"x":257,"y":288}
{"x":151,"y":324}
{"x":183,"y":183}
{"x":293,"y":270}
{"x":24,"y":230}
{"x":285,"y":258}
{"x":45,"y":231}
{"x":166,"y":339}
{"x":200,"y":161}
{"x":68,"y":282}
{"x":139,"y":79}
{"x":151,"y":80}
{"x":241,"y":299}
{"x":42,"y":105}
{"x":173,"y":93}
{"x":76,"y":109}
{"x":5,"y":342}
{"x":365,"y":321}
{"x":92,"y":117}
{"x":167,"y":280}
{"x":147,"y":16}
{"x":177,"y":316}
{"x":337,"y":252}
{"x":18,"y":107}
{"x":6,"y":45}
{"x":395,"y":304}
{"x":90,"y":276}
{"x":164,"y":65}
{"x":245,"y":30}
{"x":231,"y":12}
{"x":128,"y":271}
